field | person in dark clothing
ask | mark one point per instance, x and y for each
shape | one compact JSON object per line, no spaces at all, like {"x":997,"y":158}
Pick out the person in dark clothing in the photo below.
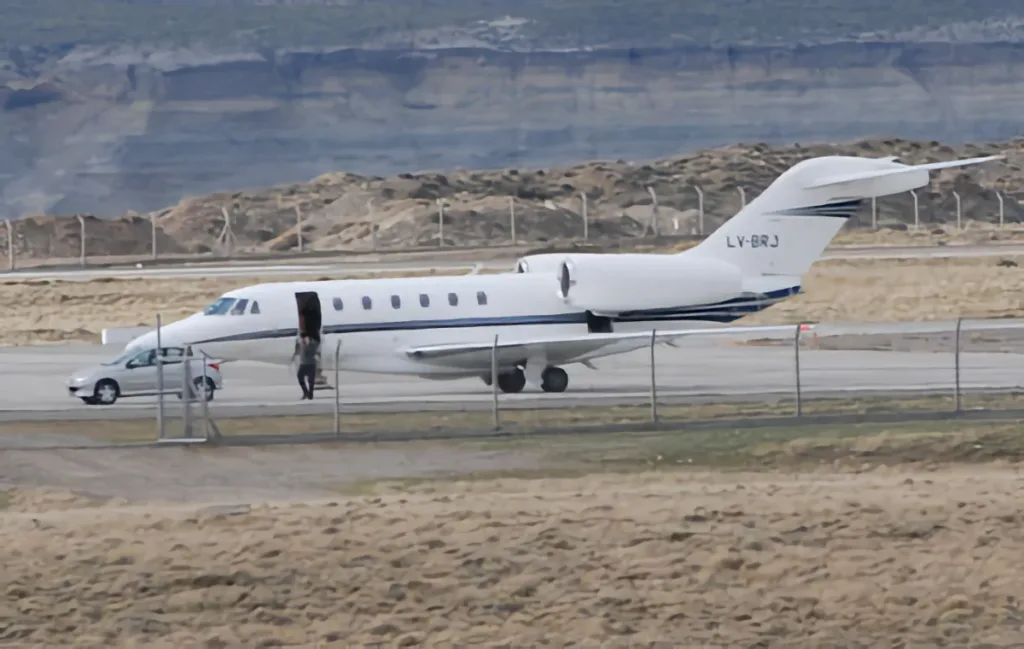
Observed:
{"x":306,"y":349}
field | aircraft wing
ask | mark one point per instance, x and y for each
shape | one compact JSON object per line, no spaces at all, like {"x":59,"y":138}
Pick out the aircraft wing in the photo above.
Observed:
{"x":865,"y":175}
{"x":564,"y":349}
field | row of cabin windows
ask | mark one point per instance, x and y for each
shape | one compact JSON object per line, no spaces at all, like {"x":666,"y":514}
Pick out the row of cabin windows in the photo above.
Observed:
{"x":396,"y":301}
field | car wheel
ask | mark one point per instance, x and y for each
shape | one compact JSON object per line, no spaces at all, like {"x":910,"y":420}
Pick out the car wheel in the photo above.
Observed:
{"x":106,"y":392}
{"x":211,"y":387}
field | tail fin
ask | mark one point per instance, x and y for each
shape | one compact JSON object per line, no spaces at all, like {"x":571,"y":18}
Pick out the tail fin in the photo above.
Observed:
{"x":787,"y":228}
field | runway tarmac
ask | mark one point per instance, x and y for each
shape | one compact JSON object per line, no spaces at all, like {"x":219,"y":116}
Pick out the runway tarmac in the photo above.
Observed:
{"x":329,"y":267}
{"x":34,"y":388}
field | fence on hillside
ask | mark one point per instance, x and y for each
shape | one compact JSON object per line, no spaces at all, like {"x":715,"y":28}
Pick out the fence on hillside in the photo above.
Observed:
{"x":655,"y":231}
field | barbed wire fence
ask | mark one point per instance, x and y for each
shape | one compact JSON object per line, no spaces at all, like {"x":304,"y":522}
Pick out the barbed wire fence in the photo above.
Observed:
{"x":356,"y":219}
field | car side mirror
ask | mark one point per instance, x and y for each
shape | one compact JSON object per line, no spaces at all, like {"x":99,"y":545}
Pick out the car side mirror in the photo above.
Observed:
{"x":130,"y":365}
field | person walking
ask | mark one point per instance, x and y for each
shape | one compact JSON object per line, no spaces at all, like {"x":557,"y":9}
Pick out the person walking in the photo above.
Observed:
{"x":307,"y":351}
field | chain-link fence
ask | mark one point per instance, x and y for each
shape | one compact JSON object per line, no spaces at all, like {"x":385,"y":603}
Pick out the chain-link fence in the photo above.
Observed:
{"x":356,"y":225}
{"x":815,"y":374}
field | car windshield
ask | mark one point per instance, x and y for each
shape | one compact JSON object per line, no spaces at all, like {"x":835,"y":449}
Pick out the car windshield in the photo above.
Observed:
{"x":220,"y":307}
{"x":123,"y":358}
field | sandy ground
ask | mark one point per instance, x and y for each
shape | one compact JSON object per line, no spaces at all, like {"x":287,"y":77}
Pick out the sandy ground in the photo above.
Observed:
{"x":860,"y":545}
{"x":853,"y":290}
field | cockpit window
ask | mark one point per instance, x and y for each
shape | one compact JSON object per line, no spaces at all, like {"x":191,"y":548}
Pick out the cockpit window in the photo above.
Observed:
{"x":220,"y":307}
{"x":239,"y":308}
{"x":255,"y":310}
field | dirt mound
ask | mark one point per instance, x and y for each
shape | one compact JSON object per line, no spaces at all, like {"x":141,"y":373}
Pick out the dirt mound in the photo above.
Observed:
{"x":337,"y":208}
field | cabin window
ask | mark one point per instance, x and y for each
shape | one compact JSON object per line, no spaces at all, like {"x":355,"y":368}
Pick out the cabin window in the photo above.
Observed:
{"x":338,"y":304}
{"x":481,"y":298}
{"x":396,"y":301}
{"x":453,"y":299}
{"x":367,"y":303}
{"x":255,"y":310}
{"x":220,"y":307}
{"x":239,"y":308}
{"x":424,"y":300}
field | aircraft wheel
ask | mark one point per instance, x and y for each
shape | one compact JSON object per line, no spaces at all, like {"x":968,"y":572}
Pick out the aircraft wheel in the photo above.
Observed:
{"x":486,"y":379}
{"x":512,"y":382}
{"x":554,"y":379}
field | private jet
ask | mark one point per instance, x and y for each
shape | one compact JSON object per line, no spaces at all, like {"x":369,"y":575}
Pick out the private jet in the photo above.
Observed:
{"x":554,"y":310}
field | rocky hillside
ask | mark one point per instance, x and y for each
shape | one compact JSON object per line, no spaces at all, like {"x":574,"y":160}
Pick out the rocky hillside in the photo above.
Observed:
{"x":336,"y":208}
{"x":116,"y":105}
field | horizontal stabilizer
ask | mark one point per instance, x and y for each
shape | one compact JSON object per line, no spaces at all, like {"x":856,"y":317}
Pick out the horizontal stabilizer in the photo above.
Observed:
{"x":840,"y":179}
{"x":564,"y":349}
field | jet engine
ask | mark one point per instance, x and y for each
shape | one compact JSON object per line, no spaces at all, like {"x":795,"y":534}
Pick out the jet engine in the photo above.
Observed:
{"x":633,"y":282}
{"x":548,"y":262}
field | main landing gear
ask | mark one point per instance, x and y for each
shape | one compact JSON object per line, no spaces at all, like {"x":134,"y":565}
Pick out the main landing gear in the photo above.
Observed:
{"x":553,"y":379}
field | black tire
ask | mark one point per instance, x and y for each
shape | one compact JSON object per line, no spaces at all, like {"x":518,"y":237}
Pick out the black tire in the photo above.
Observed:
{"x":106,"y":392}
{"x":512,"y":382}
{"x":89,"y":401}
{"x":554,"y":379}
{"x":197,"y":382}
{"x":211,"y":387}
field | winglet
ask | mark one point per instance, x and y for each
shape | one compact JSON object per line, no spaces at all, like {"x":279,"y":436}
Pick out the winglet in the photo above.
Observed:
{"x":829,"y":181}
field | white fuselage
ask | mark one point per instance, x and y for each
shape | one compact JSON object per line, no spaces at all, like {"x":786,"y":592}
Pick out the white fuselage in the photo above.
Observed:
{"x":562,"y":308}
{"x":512,"y":306}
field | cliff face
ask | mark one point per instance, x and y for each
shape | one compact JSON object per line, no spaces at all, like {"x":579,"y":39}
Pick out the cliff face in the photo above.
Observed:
{"x":105,"y":133}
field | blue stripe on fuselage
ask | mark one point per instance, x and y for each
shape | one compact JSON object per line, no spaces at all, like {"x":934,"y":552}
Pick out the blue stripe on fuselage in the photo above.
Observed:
{"x":720,"y":312}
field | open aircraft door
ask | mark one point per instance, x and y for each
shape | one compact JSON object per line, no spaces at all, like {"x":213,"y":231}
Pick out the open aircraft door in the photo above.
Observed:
{"x":309,"y":315}
{"x":310,"y":322}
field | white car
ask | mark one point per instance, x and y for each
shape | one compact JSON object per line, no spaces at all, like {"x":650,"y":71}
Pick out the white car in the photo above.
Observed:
{"x":134,"y":374}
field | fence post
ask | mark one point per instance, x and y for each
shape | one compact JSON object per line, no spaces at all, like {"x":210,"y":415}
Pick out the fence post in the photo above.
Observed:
{"x":10,"y":244}
{"x":796,"y":365}
{"x":227,"y":234}
{"x":81,"y":236}
{"x":440,"y":223}
{"x":959,"y":212}
{"x":956,"y":364}
{"x":917,"y":210}
{"x":494,"y":380}
{"x":206,"y":401}
{"x":298,"y":228}
{"x":187,"y":390}
{"x":586,"y":221}
{"x":512,"y":216}
{"x":743,"y":197}
{"x":655,"y":213}
{"x":152,"y":235}
{"x":159,"y":383}
{"x":874,"y":212}
{"x":337,"y":390}
{"x":654,"y":382}
{"x":373,"y":226}
{"x":700,"y":210}
{"x":999,"y":197}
